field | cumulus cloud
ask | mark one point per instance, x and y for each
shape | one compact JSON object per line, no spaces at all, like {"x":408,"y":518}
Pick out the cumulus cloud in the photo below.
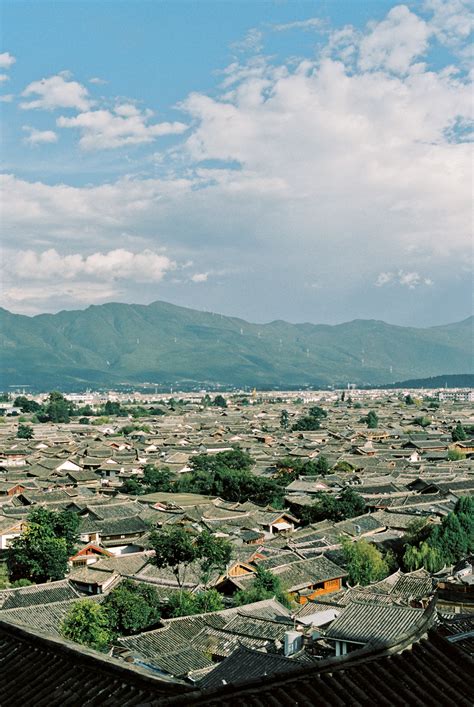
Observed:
{"x":125,"y":125}
{"x":56,"y":92}
{"x":6,"y":60}
{"x":119,"y":264}
{"x":200,"y":277}
{"x":395,"y":42}
{"x":411,"y":280}
{"x":337,"y":170}
{"x":252,"y":42}
{"x":36,"y":137}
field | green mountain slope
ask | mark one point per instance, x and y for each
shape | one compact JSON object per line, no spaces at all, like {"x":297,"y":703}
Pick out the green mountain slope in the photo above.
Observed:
{"x":119,"y":344}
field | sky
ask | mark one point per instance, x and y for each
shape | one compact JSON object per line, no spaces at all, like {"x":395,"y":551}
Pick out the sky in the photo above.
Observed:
{"x":299,"y":160}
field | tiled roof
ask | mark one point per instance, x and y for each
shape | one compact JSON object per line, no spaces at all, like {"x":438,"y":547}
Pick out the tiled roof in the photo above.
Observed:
{"x":37,"y":594}
{"x":374,"y":623}
{"x":40,"y":672}
{"x":432,"y":671}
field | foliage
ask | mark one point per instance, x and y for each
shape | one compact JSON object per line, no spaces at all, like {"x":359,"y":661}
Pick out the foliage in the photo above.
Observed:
{"x":455,"y":455}
{"x":284,"y":419}
{"x":265,"y":586}
{"x":26,"y":405}
{"x":57,"y":409}
{"x":227,"y":475}
{"x":433,"y":546}
{"x":219,"y":401}
{"x":365,"y":563}
{"x":25,"y":432}
{"x":132,"y":486}
{"x":185,"y":604}
{"x":131,"y":607}
{"x":371,"y":420}
{"x":41,"y":553}
{"x":156,"y":479}
{"x":290,"y":468}
{"x":348,"y":504}
{"x":458,"y":434}
{"x":177,"y":548}
{"x":409,"y":400}
{"x":311,"y":421}
{"x":87,"y":623}
{"x":422,"y":421}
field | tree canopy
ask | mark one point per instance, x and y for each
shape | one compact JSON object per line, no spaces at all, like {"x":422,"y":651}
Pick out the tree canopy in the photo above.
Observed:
{"x":41,"y":553}
{"x":365,"y":563}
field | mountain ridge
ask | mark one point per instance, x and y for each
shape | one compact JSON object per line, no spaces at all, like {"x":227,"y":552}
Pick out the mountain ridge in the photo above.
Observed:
{"x":128,"y":344}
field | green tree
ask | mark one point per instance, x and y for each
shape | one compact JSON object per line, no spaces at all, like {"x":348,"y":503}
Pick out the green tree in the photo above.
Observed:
{"x":132,"y":486}
{"x":458,"y":434}
{"x":371,"y":420}
{"x":214,"y":552}
{"x":455,"y":455}
{"x":409,"y":400}
{"x":322,"y":465}
{"x":175,"y":547}
{"x":26,"y":405}
{"x":132,"y":607}
{"x":57,"y":408}
{"x":219,"y":401}
{"x":87,"y":623}
{"x":284,"y":419}
{"x":365,"y":563}
{"x":422,"y":421}
{"x":208,"y":601}
{"x":24,"y":432}
{"x":157,"y":479}
{"x":41,"y":553}
{"x":265,"y":586}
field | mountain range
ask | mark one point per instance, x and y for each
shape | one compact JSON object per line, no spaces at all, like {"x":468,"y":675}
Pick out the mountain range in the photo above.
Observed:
{"x":113,"y":345}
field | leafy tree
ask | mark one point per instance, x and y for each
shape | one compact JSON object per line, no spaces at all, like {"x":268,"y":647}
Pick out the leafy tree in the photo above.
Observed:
{"x":132,"y":486}
{"x":41,"y":553}
{"x":265,"y":586}
{"x":112,"y":408}
{"x":25,"y":432}
{"x":83,"y":420}
{"x":87,"y":623}
{"x":455,"y":455}
{"x":157,"y":479}
{"x":365,"y":563}
{"x":175,"y":548}
{"x":422,"y":421}
{"x":26,"y":405}
{"x":458,"y":434}
{"x":215,"y":553}
{"x":348,"y":504}
{"x":371,"y":420}
{"x":57,"y":408}
{"x":185,"y":603}
{"x":322,"y":465}
{"x":284,"y":419}
{"x":311,"y":421}
{"x":409,"y":400}
{"x":132,"y":607}
{"x":219,"y":401}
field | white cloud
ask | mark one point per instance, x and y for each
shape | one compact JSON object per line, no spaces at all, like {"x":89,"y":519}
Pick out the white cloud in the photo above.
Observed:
{"x":411,"y":280}
{"x":118,"y":264}
{"x":395,"y":42}
{"x":200,"y":277}
{"x":452,"y":20}
{"x":125,"y":125}
{"x":98,"y":81}
{"x":56,"y":92}
{"x":6,"y":60}
{"x":4,"y":77}
{"x":37,"y":137}
{"x":310,"y":24}
{"x":7,"y":98}
{"x":252,"y":42}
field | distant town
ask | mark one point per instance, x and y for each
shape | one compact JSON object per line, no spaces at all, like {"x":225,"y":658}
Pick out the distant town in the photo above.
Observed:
{"x":184,"y":548}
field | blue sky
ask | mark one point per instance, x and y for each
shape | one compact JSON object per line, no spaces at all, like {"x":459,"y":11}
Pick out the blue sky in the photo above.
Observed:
{"x":299,"y":160}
